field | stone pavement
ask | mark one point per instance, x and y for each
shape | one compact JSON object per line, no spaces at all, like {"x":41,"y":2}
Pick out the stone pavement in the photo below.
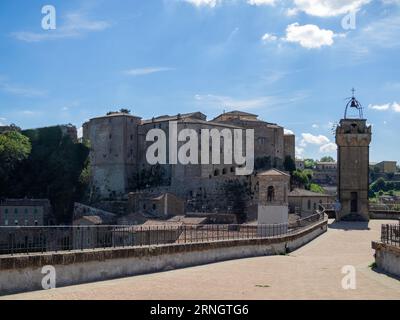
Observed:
{"x":311,"y":272}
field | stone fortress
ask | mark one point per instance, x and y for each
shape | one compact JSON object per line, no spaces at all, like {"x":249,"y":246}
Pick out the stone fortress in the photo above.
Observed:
{"x":118,"y":154}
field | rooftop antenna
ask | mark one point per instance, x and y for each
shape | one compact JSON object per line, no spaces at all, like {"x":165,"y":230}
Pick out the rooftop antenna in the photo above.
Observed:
{"x":354,"y":103}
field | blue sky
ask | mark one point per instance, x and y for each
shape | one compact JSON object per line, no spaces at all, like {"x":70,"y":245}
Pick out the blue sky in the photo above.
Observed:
{"x":289,"y":61}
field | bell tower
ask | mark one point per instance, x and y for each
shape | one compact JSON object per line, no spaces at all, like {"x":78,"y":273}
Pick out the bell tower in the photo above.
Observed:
{"x":353,"y":137}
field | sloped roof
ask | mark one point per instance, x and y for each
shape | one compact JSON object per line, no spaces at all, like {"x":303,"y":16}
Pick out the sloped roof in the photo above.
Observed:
{"x":273,"y":172}
{"x":188,"y":220}
{"x":91,"y":219}
{"x":306,"y":193}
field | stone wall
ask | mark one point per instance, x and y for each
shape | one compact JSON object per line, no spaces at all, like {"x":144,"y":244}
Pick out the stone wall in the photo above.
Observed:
{"x":22,"y":273}
{"x":387,"y":257}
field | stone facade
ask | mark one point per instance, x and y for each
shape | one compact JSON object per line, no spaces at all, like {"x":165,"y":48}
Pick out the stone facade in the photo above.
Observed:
{"x":24,"y":212}
{"x":325,"y":173}
{"x":353,"y":137}
{"x":289,"y":143}
{"x":273,"y":190}
{"x":118,"y":153}
{"x":306,"y":203}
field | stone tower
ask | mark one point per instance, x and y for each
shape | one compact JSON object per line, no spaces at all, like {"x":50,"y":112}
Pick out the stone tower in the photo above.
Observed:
{"x":114,"y":152}
{"x":353,"y":137}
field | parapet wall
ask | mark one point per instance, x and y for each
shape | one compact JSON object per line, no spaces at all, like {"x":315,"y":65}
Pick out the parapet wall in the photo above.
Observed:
{"x":387,"y":257}
{"x":21,"y":273}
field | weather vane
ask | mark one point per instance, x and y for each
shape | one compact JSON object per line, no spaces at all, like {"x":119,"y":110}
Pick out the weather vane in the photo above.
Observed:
{"x":354,"y":103}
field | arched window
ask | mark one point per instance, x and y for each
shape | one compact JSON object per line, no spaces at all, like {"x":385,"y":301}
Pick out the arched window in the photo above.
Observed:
{"x":216,"y":172}
{"x":270,"y":194}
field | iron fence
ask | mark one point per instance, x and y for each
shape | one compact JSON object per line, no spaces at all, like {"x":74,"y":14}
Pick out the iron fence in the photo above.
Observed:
{"x":24,"y":239}
{"x":390,"y":234}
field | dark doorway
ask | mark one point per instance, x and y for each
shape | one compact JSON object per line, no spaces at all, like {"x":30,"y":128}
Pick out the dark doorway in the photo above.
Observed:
{"x":354,"y":202}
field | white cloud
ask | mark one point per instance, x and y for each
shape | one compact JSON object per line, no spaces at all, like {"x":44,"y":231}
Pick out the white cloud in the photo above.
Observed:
{"x":145,"y":71}
{"x":76,"y":24}
{"x":261,"y":2}
{"x":312,"y":139}
{"x":315,"y":126}
{"x":287,"y":131}
{"x":328,"y":148}
{"x":385,"y":107}
{"x":19,"y":90}
{"x":269,"y":37}
{"x":380,"y":107}
{"x":299,"y":152}
{"x":3,"y":121}
{"x":80,"y":132}
{"x":231,"y":103}
{"x":329,"y":8}
{"x":200,"y":3}
{"x":309,"y":36}
{"x":396,"y":107}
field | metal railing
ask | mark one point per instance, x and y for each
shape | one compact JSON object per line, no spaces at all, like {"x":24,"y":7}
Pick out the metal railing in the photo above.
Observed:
{"x":390,"y":234}
{"x":27,"y":240}
{"x":389,"y":207}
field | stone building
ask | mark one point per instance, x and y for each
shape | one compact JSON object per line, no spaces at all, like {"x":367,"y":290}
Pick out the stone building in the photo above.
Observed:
{"x":325,"y":173}
{"x":25,"y":212}
{"x":118,"y":153}
{"x":163,"y":205}
{"x":353,"y":136}
{"x":270,"y":140}
{"x":306,"y":203}
{"x":387,"y":166}
{"x":273,"y":192}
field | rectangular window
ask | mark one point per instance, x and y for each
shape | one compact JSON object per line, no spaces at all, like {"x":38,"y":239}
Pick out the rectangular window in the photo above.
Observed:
{"x":6,"y":222}
{"x":6,"y":210}
{"x":16,"y":211}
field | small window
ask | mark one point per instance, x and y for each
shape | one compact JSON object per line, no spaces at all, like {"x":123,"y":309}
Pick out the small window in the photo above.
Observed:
{"x":154,"y":206}
{"x":26,"y":211}
{"x":6,"y":222}
{"x":6,"y":210}
{"x":232,"y":169}
{"x":144,"y":207}
{"x":309,"y":204}
{"x":35,"y":211}
{"x":223,"y":171}
{"x":36,"y":222}
{"x":270,"y":194}
{"x":216,"y":172}
{"x":16,"y":222}
{"x":15,"y":210}
{"x":110,"y":136}
{"x":131,"y":137}
{"x":26,"y":222}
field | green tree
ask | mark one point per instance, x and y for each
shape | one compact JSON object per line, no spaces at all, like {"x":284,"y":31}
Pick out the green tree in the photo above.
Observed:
{"x":235,"y":193}
{"x":316,"y":188}
{"x":309,"y":163}
{"x":327,"y":159}
{"x":378,"y":185}
{"x":289,"y":164}
{"x":299,"y":179}
{"x":14,"y":147}
{"x":53,"y":170}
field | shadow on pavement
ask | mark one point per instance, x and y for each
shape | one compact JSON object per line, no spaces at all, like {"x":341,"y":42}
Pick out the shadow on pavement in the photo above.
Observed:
{"x":349,"y":225}
{"x":380,"y":271}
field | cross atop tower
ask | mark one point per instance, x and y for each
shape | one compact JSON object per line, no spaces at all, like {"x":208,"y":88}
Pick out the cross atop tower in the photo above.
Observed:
{"x":354,"y":103}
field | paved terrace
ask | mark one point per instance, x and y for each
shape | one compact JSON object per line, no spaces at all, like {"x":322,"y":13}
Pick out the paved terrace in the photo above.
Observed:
{"x":312,"y":272}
